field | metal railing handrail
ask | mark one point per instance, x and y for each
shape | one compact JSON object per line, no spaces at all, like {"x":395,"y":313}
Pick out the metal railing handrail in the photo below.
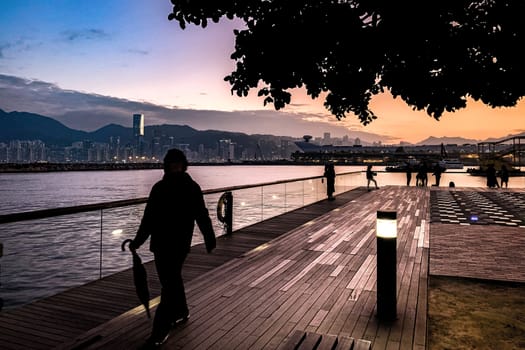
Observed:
{"x":52,"y":212}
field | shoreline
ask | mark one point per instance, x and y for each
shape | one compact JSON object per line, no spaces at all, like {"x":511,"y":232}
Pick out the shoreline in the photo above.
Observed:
{"x":57,"y":167}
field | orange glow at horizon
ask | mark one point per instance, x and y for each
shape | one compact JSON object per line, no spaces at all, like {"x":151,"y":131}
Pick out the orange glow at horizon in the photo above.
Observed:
{"x":397,"y":121}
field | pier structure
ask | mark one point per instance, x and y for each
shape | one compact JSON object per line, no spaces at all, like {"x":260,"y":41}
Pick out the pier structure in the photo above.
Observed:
{"x":304,"y":277}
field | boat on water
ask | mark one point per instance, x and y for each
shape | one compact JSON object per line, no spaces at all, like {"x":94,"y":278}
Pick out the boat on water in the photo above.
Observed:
{"x":451,"y":163}
{"x":482,"y":172}
{"x":396,"y":168}
{"x":402,"y":166}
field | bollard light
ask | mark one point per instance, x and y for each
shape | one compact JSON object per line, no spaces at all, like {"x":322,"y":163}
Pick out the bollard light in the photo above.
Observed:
{"x":386,"y":224}
{"x":386,"y":236}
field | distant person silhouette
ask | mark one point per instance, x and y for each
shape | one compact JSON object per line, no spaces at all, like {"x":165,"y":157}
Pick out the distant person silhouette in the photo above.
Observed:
{"x":422,"y":175}
{"x":492,"y":180}
{"x":504,"y":176}
{"x":329,"y":173}
{"x":438,"y":170}
{"x":370,"y":177}
{"x":408,"y":171}
{"x":174,"y":204}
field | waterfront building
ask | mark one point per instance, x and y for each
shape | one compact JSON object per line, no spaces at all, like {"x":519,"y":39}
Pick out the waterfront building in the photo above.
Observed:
{"x":138,"y":133}
{"x":226,"y":149}
{"x":327,"y":140}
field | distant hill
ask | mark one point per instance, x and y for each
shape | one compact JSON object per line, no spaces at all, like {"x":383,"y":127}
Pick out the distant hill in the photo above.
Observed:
{"x":112,"y":130}
{"x":461,"y":141}
{"x":492,"y":139}
{"x":29,"y":126}
{"x":446,"y":141}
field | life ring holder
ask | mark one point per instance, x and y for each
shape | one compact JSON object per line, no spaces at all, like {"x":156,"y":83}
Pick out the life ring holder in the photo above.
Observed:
{"x":224,"y":211}
{"x":221,"y":207}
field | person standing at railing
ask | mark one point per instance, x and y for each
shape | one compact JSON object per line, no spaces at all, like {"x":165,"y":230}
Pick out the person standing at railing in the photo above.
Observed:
{"x":504,"y":176}
{"x":174,"y":205}
{"x":492,"y":179}
{"x":329,"y":173}
{"x":408,"y":172}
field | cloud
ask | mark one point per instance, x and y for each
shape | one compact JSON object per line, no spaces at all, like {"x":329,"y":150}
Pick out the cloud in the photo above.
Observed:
{"x":19,"y":45}
{"x":314,"y":119}
{"x":85,"y":34}
{"x":138,"y":52}
{"x":86,"y":111}
{"x":4,"y":47}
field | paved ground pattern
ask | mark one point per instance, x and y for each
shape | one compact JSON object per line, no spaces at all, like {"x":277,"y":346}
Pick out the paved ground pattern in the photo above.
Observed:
{"x":478,"y":208}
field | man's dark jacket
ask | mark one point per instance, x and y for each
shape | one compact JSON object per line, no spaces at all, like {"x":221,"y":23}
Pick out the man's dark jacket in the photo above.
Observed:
{"x":173,"y":206}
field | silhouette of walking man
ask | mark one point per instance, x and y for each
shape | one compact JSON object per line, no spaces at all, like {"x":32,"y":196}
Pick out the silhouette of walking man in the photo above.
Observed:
{"x":370,"y":177}
{"x":173,"y":206}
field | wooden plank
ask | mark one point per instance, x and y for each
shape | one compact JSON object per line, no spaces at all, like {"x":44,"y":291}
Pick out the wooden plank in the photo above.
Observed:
{"x":310,"y":342}
{"x":294,"y":340}
{"x":362,"y":344}
{"x":328,"y":342}
{"x":345,"y":343}
{"x":238,"y":300}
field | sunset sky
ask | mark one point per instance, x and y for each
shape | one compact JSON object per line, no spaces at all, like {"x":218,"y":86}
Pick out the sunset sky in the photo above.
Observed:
{"x":129,"y":50}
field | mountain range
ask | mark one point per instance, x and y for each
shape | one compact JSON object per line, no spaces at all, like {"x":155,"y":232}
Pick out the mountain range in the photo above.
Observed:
{"x":30,"y":126}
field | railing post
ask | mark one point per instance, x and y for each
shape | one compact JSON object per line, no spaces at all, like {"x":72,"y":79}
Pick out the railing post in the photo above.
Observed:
{"x":1,"y":254}
{"x":262,"y":203}
{"x":229,"y":213}
{"x":285,"y":197}
{"x":101,"y":227}
{"x":303,"y":190}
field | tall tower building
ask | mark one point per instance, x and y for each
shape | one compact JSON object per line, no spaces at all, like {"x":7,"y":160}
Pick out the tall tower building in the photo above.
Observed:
{"x":327,"y":139}
{"x":138,"y":132}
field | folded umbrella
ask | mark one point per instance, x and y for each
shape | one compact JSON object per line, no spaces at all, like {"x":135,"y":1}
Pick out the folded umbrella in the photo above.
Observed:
{"x":140,"y":278}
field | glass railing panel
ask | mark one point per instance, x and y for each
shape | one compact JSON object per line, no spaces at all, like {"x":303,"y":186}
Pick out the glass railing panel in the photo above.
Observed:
{"x":119,"y":224}
{"x":311,"y":190}
{"x":294,"y":195}
{"x":43,"y":257}
{"x":346,"y":182}
{"x":247,"y":207}
{"x":273,"y":201}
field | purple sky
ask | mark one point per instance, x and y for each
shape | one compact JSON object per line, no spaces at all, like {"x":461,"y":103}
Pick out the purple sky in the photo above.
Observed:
{"x":129,"y":51}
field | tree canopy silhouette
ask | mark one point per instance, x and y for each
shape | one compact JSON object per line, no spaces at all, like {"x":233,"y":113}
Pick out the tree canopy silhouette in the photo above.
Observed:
{"x":432,"y":54}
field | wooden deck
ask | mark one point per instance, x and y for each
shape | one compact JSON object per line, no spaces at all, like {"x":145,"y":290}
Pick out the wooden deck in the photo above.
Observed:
{"x":319,"y":277}
{"x":47,"y":323}
{"x":311,"y":271}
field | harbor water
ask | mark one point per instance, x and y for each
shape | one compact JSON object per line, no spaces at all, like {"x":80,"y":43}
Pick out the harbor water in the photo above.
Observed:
{"x":45,"y":256}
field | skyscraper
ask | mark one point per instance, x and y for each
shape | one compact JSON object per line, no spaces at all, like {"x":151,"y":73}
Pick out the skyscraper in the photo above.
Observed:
{"x":138,"y":132}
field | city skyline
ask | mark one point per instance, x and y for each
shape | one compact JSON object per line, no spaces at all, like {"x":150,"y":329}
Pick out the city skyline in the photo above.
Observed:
{"x":131,"y":52}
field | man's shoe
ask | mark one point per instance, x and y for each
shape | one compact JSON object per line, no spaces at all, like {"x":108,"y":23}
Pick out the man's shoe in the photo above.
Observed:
{"x":180,"y":319}
{"x":154,"y":342}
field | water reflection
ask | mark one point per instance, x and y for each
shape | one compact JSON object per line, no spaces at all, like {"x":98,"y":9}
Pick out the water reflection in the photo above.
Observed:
{"x":43,"y":257}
